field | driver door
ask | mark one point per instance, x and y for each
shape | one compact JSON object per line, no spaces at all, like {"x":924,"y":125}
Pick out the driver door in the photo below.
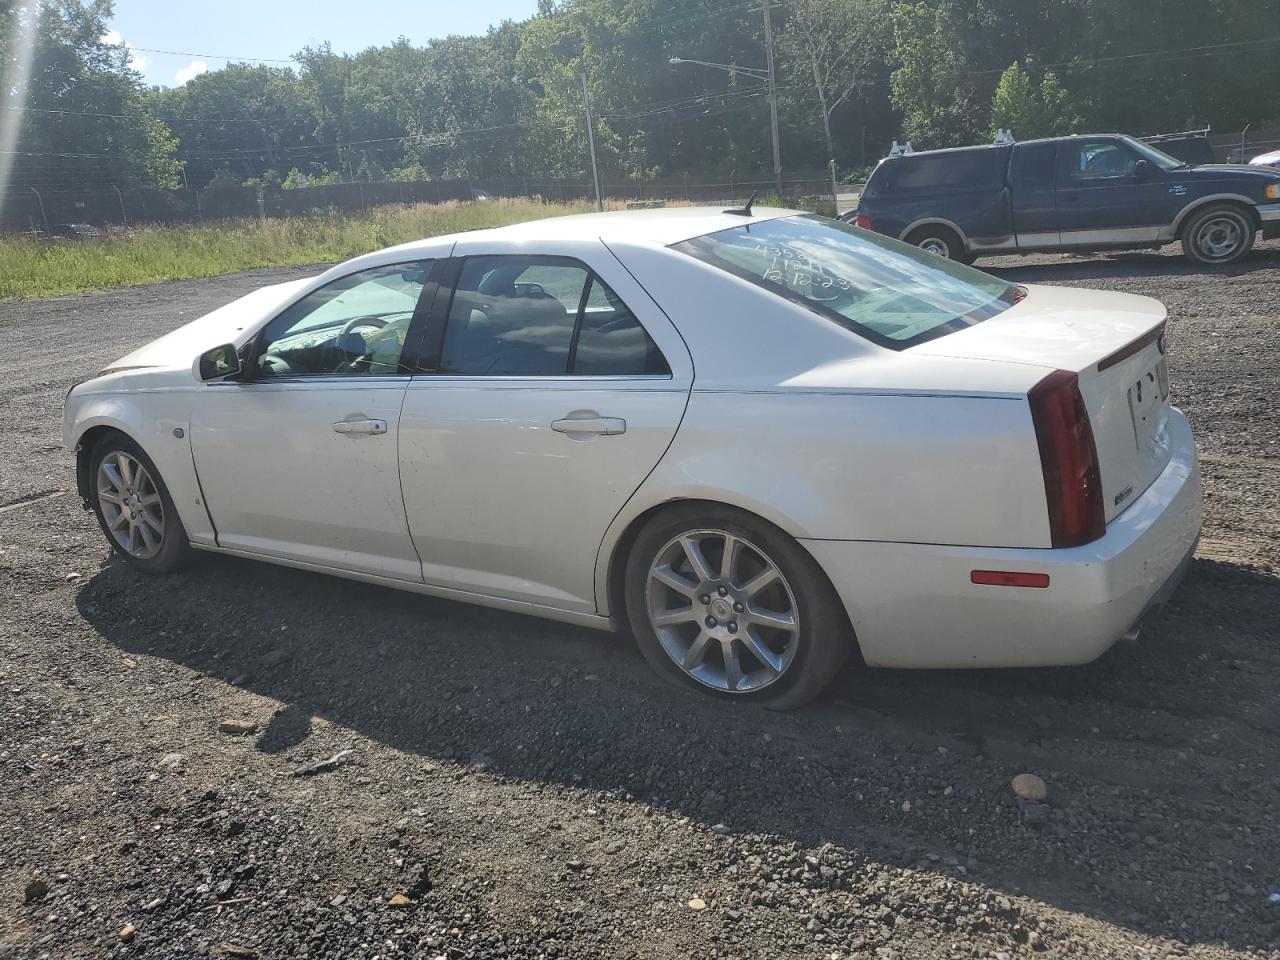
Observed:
{"x":1101,"y":198}
{"x":298,"y":460}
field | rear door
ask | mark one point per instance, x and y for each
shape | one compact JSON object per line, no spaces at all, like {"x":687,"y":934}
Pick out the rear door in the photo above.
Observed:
{"x":550,"y":387}
{"x":1033,"y":195}
{"x":1100,"y":198}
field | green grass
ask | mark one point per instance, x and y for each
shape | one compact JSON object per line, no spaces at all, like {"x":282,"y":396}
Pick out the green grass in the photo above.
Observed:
{"x":32,"y":267}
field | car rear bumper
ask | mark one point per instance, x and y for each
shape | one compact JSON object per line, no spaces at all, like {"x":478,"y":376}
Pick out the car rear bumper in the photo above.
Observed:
{"x":913,"y":605}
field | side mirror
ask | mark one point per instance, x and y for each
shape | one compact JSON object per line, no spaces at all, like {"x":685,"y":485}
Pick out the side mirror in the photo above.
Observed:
{"x":1142,"y":169}
{"x":220,"y":363}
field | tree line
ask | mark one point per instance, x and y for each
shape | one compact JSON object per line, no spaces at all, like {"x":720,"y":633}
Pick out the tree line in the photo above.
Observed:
{"x":852,"y":76}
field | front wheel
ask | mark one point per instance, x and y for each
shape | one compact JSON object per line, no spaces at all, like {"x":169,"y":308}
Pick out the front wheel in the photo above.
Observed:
{"x":1218,"y":236}
{"x":134,"y":508}
{"x":728,"y":604}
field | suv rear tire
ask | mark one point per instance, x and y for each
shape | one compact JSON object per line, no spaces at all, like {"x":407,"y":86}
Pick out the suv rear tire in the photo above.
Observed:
{"x":942,"y":241}
{"x":1218,"y":235}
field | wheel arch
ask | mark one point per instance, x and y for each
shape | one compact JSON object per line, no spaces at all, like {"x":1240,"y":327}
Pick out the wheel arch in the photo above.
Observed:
{"x":165,"y":441}
{"x":935,"y":221}
{"x":1218,"y":199}
{"x":89,"y":437}
{"x":613,"y":588}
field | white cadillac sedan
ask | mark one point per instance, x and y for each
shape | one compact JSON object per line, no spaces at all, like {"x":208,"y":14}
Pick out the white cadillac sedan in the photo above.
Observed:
{"x":762,"y":439}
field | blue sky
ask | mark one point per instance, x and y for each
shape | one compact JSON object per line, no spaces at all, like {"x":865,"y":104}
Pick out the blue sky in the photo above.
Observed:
{"x":204,"y":33}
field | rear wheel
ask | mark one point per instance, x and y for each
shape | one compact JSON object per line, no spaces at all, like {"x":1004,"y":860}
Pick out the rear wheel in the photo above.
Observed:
{"x":1218,"y":235}
{"x":723,"y":602}
{"x":940,"y":241}
{"x":134,"y":508}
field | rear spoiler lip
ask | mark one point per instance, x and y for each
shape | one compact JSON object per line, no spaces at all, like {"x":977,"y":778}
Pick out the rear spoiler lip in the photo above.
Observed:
{"x":1154,"y":335}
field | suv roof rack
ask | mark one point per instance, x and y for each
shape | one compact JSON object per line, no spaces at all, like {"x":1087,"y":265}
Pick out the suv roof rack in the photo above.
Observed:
{"x":901,"y":149}
{"x":1157,"y":137}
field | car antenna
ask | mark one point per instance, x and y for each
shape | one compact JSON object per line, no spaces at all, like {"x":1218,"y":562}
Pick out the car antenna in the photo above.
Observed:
{"x":745,"y":209}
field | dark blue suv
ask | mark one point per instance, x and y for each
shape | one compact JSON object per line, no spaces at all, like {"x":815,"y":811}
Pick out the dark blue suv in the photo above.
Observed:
{"x":1103,"y":192}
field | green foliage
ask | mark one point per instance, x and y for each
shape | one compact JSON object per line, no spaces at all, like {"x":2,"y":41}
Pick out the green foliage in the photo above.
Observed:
{"x":1031,"y":111}
{"x":296,"y":179}
{"x":853,"y":75}
{"x":84,"y":117}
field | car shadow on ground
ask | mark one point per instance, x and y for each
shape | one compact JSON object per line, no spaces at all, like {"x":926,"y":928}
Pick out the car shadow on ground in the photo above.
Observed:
{"x":1123,"y":264}
{"x":1138,"y":792}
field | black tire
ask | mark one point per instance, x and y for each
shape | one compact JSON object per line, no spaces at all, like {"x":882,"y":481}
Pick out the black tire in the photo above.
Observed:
{"x":822,"y":639}
{"x":1218,"y":235}
{"x":940,"y":240}
{"x":174,"y":550}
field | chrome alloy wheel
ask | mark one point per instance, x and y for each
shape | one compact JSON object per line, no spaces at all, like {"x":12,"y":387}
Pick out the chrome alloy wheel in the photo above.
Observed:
{"x":722,"y":611}
{"x":1218,"y":238}
{"x":935,"y":245}
{"x":131,"y":505}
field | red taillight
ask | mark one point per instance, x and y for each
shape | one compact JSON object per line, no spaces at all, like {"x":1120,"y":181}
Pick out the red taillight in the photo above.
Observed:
{"x":860,"y":221}
{"x":1069,"y":460}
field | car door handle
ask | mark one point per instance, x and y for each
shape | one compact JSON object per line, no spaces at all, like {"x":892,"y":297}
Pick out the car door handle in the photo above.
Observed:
{"x":374,"y":427}
{"x":608,"y":426}
{"x":1070,"y":198}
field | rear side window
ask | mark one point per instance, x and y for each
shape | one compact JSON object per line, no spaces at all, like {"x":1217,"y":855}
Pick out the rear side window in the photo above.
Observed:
{"x":954,"y":169}
{"x":542,"y":317}
{"x":889,"y":292}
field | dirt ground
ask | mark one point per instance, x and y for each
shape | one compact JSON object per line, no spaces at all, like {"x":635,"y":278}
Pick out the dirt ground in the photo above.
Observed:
{"x":534,"y":791}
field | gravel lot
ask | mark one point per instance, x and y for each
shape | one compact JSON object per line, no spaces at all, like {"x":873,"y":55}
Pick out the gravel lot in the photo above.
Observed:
{"x":532,"y":790}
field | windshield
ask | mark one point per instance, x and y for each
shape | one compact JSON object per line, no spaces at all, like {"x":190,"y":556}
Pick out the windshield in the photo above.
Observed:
{"x":1158,"y":157}
{"x":892,"y":293}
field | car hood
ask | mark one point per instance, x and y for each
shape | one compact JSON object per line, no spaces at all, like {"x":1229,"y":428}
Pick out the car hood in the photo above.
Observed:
{"x":231,"y":323}
{"x":1218,"y":171}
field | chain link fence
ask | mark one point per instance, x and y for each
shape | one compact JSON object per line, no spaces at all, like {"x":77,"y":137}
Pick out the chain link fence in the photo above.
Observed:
{"x":64,"y":212}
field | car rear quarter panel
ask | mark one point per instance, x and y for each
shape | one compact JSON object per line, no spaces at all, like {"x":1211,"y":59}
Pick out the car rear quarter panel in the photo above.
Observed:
{"x":864,"y":466}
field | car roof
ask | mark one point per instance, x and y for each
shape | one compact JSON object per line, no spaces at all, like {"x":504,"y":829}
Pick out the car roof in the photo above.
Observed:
{"x":662,"y":226}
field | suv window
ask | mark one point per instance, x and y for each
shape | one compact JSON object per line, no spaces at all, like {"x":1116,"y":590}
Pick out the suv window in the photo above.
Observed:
{"x":355,"y":325}
{"x":980,"y":168}
{"x":1097,"y":160}
{"x":542,"y":317}
{"x":889,"y":292}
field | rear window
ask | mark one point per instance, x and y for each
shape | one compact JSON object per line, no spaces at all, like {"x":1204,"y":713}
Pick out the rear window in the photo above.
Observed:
{"x":978,"y":169}
{"x":889,"y":292}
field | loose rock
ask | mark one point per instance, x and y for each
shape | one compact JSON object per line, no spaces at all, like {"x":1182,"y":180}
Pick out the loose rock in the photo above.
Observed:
{"x":1028,"y":786}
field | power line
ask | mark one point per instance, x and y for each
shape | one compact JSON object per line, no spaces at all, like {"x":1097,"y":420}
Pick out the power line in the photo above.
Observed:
{"x":209,"y":56}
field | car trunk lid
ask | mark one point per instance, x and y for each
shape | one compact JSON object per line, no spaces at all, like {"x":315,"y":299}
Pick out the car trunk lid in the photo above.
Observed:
{"x":1114,"y":343}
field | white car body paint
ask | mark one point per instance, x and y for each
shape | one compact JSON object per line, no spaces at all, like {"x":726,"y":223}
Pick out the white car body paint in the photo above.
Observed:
{"x":900,"y":472}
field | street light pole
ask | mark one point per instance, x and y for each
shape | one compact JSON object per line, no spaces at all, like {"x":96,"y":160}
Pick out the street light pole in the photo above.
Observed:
{"x":591,"y":140}
{"x":773,"y":99}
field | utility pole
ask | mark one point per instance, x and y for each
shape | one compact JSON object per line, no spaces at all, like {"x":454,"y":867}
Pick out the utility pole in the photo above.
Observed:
{"x":773,"y":99}
{"x":591,"y":140}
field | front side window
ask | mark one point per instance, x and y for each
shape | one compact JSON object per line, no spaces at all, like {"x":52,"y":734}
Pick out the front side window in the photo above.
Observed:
{"x":517,"y":316}
{"x":355,"y":325}
{"x":1106,"y":160}
{"x":892,"y":293}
